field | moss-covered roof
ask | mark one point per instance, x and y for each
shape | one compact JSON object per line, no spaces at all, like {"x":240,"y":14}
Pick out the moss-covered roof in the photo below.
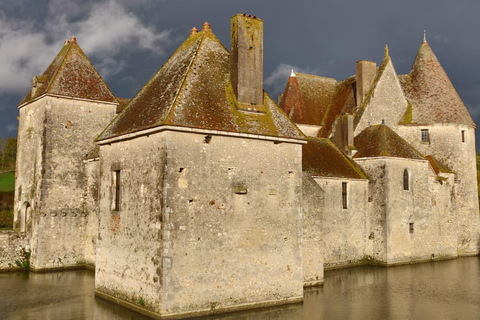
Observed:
{"x":437,"y":166}
{"x":306,"y":98}
{"x":71,"y":74}
{"x":432,"y":95}
{"x":381,"y":141}
{"x":343,"y":101}
{"x":122,"y":103}
{"x":192,"y":89}
{"x":320,"y":157}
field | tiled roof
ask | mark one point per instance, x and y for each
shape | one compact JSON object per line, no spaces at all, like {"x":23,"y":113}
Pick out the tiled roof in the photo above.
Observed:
{"x":320,"y":157}
{"x":437,"y":166}
{"x":93,"y":153}
{"x":192,"y":89}
{"x":307,"y":97}
{"x":71,"y":74}
{"x":381,"y":141}
{"x":432,"y":95}
{"x":343,"y":101}
{"x":122,"y":103}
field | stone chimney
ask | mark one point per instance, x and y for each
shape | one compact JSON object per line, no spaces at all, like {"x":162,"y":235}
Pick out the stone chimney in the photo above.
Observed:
{"x":366,"y":71}
{"x":246,"y":74}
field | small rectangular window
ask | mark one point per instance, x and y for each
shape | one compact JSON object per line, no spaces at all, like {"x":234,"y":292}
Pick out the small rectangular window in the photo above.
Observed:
{"x":463,"y":135}
{"x":116,"y":190}
{"x":425,"y":135}
{"x":344,"y":195}
{"x":410,"y":227}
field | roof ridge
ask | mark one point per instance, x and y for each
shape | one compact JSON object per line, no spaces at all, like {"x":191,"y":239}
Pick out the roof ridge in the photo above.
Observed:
{"x":174,"y":100}
{"x":59,"y":67}
{"x":314,"y":76}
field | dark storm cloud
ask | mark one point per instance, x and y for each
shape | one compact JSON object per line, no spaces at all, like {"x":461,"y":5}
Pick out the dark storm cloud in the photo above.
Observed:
{"x":129,"y":40}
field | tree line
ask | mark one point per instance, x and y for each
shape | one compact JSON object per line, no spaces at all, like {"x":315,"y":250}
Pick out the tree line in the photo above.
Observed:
{"x":8,"y":154}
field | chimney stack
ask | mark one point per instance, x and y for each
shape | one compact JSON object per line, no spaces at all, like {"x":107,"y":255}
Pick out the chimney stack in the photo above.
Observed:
{"x":246,"y":74}
{"x":366,"y":72}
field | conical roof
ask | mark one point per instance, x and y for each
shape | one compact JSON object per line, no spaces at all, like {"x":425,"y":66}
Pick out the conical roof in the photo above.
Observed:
{"x":432,"y":95}
{"x":71,"y":74}
{"x":381,"y":141}
{"x":192,"y":89}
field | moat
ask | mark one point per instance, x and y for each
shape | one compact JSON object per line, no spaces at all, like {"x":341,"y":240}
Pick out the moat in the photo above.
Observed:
{"x":440,"y":290}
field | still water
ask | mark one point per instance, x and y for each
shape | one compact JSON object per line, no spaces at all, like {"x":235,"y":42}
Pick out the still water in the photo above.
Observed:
{"x":440,"y":290}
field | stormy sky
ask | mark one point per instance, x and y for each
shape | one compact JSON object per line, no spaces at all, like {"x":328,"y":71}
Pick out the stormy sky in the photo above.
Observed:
{"x":129,"y":40}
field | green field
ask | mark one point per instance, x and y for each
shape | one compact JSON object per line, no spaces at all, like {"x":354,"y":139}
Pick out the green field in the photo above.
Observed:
{"x":7,"y":181}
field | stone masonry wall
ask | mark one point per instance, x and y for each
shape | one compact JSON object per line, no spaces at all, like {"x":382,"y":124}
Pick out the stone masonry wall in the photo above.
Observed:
{"x":58,"y":220}
{"x":91,"y":207}
{"x":220,"y":222}
{"x":446,"y":145}
{"x":344,"y":231}
{"x":13,"y":250}
{"x":232,"y":223}
{"x":313,"y":242}
{"x":129,"y":254}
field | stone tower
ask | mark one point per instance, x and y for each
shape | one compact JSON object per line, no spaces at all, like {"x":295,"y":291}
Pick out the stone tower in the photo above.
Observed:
{"x":438,"y":124}
{"x":66,"y":108}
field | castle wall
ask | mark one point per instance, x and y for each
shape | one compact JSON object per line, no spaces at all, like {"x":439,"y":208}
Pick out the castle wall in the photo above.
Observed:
{"x":344,"y":230}
{"x":51,"y":176}
{"x":220,"y":218}
{"x":446,"y":145}
{"x":418,"y":224}
{"x":91,"y":207}
{"x":376,"y":241}
{"x":313,"y":243}
{"x":234,"y":213}
{"x":129,"y":246}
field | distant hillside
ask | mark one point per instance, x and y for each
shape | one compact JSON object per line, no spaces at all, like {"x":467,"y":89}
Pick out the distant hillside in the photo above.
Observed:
{"x":8,"y":154}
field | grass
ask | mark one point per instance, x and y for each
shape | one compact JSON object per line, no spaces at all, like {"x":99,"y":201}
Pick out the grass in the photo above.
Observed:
{"x":7,"y":181}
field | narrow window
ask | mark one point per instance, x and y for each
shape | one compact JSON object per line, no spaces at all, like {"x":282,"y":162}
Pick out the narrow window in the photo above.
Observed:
{"x":425,"y":135}
{"x":463,"y":135}
{"x":406,"y":177}
{"x":410,"y":227}
{"x":344,"y":195}
{"x":116,"y":193}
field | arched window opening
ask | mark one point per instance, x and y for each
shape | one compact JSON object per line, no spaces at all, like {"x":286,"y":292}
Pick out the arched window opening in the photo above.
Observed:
{"x":25,"y":212}
{"x":406,"y":182}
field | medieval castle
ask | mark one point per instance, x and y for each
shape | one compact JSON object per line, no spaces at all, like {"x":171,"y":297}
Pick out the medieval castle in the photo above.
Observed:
{"x":202,"y":195}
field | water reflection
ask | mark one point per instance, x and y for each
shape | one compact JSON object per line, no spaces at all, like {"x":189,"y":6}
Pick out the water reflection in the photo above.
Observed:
{"x":440,"y":290}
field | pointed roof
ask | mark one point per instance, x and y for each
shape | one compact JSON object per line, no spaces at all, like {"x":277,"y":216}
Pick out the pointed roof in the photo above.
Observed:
{"x":192,"y":89}
{"x":366,"y":100}
{"x":432,"y":95}
{"x":320,"y":157}
{"x":381,"y":141}
{"x":71,"y":74}
{"x":307,"y":97}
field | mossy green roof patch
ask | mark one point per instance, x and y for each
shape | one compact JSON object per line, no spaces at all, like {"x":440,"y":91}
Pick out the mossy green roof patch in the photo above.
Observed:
{"x":381,"y":141}
{"x":437,"y":166}
{"x":320,"y":157}
{"x":433,"y":97}
{"x":71,"y":74}
{"x":192,"y":89}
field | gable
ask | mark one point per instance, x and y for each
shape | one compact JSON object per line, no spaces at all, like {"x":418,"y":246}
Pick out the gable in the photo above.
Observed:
{"x":385,"y":101}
